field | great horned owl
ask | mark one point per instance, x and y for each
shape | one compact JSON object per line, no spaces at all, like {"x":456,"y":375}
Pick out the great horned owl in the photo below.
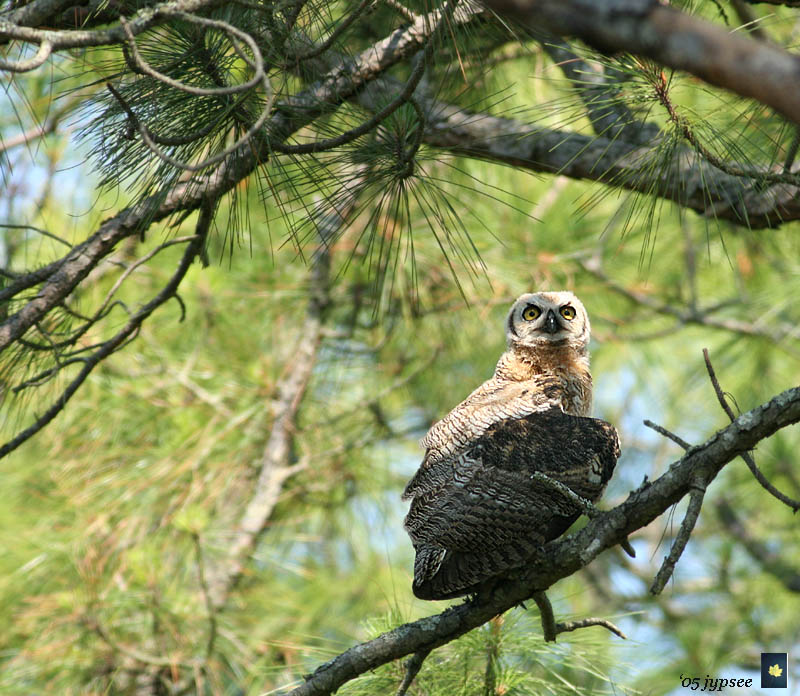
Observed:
{"x":476,"y":512}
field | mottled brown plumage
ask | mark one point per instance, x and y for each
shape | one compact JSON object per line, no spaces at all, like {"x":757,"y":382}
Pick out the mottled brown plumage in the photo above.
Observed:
{"x":475,"y":510}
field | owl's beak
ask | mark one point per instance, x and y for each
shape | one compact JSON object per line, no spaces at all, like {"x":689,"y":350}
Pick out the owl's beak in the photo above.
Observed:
{"x":550,"y":323}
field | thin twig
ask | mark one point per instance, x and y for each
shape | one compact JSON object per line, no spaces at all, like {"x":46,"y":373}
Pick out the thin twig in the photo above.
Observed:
{"x":666,"y":433}
{"x":748,"y":458}
{"x":591,"y":621}
{"x":413,"y":665}
{"x":128,"y":332}
{"x":588,"y":508}
{"x":550,"y":629}
{"x":45,"y":233}
{"x":696,"y":493}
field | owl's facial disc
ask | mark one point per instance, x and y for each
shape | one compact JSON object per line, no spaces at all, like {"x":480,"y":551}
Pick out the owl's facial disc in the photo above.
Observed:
{"x":547,"y":318}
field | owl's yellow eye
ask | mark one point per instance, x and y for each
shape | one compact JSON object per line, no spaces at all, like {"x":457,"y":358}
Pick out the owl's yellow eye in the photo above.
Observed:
{"x":567,"y":312}
{"x":531,"y":312}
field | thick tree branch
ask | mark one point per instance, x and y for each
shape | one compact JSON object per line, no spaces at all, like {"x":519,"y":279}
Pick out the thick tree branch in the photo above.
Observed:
{"x":672,"y":38}
{"x":687,"y":179}
{"x":563,"y":557}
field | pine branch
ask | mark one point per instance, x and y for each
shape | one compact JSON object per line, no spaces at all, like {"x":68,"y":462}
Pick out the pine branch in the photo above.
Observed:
{"x":686,"y":179}
{"x":747,"y":67}
{"x":339,"y":84}
{"x":563,"y":557}
{"x":50,"y":41}
{"x":125,"y":334}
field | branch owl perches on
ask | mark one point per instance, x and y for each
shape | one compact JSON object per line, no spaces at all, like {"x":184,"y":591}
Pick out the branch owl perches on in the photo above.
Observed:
{"x":477,"y":509}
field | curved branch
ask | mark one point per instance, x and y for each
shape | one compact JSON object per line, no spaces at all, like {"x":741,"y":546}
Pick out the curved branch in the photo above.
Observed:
{"x":563,"y":557}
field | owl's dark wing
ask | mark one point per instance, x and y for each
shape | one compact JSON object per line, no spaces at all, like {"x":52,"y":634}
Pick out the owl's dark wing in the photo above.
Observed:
{"x":478,"y":514}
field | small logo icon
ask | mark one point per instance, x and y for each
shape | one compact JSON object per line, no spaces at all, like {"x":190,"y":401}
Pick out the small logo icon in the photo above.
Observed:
{"x":774,"y":667}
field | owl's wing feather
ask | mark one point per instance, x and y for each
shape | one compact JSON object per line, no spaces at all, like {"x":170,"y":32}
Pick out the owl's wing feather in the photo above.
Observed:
{"x":489,"y":404}
{"x":479,"y":513}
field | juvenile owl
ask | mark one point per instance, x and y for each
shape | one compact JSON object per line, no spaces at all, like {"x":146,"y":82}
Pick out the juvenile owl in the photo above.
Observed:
{"x":475,"y":510}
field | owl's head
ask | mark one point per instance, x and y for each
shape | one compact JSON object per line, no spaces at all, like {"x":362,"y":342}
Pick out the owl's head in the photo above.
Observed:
{"x":546,"y":318}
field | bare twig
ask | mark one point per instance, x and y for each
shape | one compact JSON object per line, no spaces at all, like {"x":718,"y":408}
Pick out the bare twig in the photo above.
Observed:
{"x":666,"y":433}
{"x":550,"y":629}
{"x":39,"y":230}
{"x":748,"y":458}
{"x":413,"y":665}
{"x":696,"y":492}
{"x":585,"y":623}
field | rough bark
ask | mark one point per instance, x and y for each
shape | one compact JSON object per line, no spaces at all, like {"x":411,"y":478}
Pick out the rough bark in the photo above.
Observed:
{"x":564,"y":557}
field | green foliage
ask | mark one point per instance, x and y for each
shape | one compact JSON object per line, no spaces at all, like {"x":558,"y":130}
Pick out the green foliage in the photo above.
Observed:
{"x":113,"y":518}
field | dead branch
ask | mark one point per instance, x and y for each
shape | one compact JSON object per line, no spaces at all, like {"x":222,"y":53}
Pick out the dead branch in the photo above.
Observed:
{"x":275,"y":466}
{"x":666,"y":433}
{"x":748,"y":458}
{"x":696,"y":493}
{"x":550,"y":629}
